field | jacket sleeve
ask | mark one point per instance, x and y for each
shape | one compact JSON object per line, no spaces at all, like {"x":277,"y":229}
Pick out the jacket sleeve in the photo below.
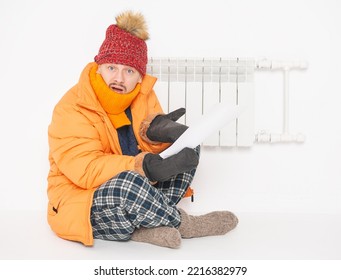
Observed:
{"x":78,"y":152}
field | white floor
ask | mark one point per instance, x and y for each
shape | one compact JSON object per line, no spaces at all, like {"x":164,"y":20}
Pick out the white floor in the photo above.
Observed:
{"x":26,"y":235}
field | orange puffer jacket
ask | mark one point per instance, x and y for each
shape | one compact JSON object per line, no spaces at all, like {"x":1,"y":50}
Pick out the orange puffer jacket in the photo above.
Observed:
{"x":85,"y":152}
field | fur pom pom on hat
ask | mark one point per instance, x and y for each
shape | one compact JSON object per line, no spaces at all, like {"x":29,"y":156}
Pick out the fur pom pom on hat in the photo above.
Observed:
{"x":124,"y":42}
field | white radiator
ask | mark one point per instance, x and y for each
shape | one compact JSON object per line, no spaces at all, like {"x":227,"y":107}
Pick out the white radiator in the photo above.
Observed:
{"x":198,"y":84}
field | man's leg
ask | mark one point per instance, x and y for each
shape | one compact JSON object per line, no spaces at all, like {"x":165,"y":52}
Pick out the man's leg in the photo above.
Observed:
{"x":213,"y":223}
{"x":127,"y":202}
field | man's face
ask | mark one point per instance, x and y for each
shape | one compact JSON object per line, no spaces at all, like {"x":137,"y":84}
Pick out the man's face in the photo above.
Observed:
{"x":120,"y":78}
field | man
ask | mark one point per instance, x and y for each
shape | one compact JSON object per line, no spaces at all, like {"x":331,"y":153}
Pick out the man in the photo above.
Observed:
{"x":106,"y":179}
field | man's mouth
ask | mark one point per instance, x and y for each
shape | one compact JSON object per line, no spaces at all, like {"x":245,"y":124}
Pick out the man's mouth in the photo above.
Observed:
{"x":117,"y":88}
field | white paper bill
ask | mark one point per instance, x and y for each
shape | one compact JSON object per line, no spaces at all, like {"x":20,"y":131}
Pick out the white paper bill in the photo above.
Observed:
{"x":219,"y":116}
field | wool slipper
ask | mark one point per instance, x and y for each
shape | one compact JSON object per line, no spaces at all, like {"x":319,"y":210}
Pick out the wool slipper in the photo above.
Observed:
{"x":161,"y":236}
{"x":213,"y":223}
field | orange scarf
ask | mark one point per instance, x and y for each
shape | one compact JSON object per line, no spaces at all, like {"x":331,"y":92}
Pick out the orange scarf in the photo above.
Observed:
{"x":113,"y":103}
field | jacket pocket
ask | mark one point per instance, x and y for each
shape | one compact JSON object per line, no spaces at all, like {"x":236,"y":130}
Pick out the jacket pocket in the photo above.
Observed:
{"x":52,"y":209}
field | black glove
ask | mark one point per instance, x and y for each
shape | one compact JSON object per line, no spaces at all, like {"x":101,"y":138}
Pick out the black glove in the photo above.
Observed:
{"x":165,"y":129}
{"x":158,"y":169}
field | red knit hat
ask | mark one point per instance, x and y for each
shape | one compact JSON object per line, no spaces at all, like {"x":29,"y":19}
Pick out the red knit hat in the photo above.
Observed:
{"x":125,"y":42}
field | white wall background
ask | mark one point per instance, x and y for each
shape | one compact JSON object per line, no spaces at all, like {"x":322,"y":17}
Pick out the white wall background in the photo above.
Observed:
{"x":44,"y":46}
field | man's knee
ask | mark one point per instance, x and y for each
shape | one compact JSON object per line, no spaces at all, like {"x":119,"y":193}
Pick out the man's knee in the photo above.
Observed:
{"x":128,"y":181}
{"x":130,"y":175}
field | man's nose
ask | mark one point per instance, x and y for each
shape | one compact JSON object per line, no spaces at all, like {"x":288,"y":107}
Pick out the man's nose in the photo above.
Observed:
{"x":118,"y":76}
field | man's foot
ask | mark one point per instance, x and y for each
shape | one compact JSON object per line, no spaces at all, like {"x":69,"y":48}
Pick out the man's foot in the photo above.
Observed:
{"x":214,"y":223}
{"x":161,"y":236}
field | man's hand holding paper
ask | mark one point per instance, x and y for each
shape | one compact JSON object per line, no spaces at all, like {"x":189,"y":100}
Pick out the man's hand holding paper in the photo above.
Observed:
{"x":220,"y":115}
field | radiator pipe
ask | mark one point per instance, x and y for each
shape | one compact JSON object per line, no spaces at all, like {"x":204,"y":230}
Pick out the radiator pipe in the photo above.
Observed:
{"x":285,"y":66}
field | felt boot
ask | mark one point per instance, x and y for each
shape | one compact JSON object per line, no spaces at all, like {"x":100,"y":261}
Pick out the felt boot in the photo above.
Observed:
{"x":161,"y":236}
{"x":213,"y":223}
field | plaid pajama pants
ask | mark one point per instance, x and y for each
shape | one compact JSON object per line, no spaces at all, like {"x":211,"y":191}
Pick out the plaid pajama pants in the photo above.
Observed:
{"x":129,"y":201}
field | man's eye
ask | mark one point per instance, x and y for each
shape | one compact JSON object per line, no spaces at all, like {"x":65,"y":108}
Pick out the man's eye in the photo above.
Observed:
{"x":130,"y":71}
{"x":111,"y":68}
